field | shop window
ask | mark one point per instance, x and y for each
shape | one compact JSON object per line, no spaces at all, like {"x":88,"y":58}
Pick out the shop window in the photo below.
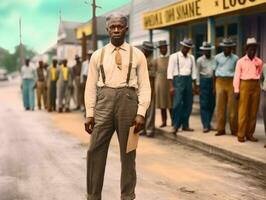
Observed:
{"x":232,"y":29}
{"x":220,"y":31}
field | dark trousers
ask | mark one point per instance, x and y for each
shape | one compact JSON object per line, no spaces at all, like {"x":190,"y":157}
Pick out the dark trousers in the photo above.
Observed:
{"x":52,"y":95}
{"x":115,"y":110}
{"x":207,"y":101}
{"x":182,"y":101}
{"x":264,"y":108}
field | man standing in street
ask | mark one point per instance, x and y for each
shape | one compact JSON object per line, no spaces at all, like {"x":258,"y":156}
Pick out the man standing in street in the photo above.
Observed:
{"x":205,"y":65}
{"x":225,"y":63}
{"x":149,"y":127}
{"x":162,"y":93}
{"x":41,"y":86}
{"x":64,"y":87}
{"x":180,"y":73}
{"x":117,"y":96}
{"x":52,"y":76}
{"x":28,"y":75}
{"x":77,"y":85}
{"x":83,"y":76}
{"x":247,"y":91}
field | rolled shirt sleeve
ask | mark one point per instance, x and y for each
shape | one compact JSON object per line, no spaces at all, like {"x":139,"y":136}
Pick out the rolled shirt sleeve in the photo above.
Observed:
{"x":170,"y":68}
{"x":236,"y":81}
{"x":91,"y":86}
{"x":198,"y":71}
{"x":144,"y":88}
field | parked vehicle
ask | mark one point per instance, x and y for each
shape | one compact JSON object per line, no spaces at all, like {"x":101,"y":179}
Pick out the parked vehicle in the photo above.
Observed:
{"x":3,"y":74}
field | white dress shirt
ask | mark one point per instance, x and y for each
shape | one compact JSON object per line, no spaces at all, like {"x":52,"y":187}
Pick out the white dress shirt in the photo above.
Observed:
{"x":187,"y":65}
{"x":116,"y":78}
{"x":28,"y":72}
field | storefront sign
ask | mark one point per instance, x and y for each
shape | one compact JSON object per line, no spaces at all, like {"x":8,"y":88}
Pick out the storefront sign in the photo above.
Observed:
{"x":188,"y":10}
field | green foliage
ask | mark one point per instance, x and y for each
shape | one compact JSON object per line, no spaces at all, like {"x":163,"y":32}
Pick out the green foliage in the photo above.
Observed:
{"x":12,"y":61}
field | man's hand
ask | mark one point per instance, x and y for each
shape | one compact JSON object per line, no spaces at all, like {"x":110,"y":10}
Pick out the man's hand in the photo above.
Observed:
{"x":237,"y":96}
{"x":89,"y":124}
{"x":172,"y":91}
{"x":139,"y":122}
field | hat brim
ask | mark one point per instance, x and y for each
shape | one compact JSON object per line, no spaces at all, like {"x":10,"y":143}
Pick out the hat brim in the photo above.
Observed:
{"x":147,"y":48}
{"x":207,"y":48}
{"x":255,"y":44}
{"x":227,"y":45}
{"x":186,"y":45}
{"x":162,"y":45}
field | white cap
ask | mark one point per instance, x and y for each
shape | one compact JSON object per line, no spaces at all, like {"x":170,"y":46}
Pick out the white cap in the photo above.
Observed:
{"x":251,"y":41}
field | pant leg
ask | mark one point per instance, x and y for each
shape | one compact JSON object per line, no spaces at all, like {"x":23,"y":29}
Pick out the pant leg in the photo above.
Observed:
{"x":77,"y":91}
{"x":232,"y":105}
{"x":177,"y":101}
{"x":25,"y":93}
{"x":39,"y":94}
{"x":187,"y":102}
{"x":45,"y":95}
{"x":211,"y":102}
{"x":254,"y":106}
{"x":204,"y":103}
{"x":61,"y":94}
{"x":264,"y":108}
{"x":31,"y":94}
{"x":67,"y":96}
{"x":125,"y":112}
{"x":150,"y":118}
{"x":99,"y":142}
{"x":53,"y":94}
{"x":221,"y":102}
{"x":243,"y":111}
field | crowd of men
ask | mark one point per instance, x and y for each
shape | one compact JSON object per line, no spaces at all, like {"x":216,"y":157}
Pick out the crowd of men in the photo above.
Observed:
{"x":55,"y":85}
{"x":224,"y":83}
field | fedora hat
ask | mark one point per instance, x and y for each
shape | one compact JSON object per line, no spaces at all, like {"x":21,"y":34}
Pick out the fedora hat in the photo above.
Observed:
{"x":251,"y":41}
{"x":227,"y":42}
{"x":162,"y":43}
{"x":147,"y":46}
{"x":187,"y":42}
{"x":206,"y":46}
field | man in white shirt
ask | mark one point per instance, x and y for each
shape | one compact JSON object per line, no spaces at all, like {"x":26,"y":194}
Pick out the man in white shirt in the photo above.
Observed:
{"x":117,"y":95}
{"x":180,"y":73}
{"x":29,"y":77}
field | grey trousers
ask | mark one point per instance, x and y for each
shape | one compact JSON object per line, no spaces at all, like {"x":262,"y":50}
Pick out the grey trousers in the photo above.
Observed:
{"x":115,"y":110}
{"x":150,"y":118}
{"x":77,"y":91}
{"x":63,"y":94}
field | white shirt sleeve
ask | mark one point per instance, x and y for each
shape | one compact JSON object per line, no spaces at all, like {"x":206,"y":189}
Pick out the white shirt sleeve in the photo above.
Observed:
{"x":194,"y":72}
{"x":170,"y":68}
{"x":91,"y":86}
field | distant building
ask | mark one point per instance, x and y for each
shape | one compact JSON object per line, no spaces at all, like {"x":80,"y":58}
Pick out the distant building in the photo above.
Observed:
{"x":67,"y":44}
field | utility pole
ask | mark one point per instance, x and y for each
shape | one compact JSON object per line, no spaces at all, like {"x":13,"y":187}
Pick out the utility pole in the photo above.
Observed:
{"x":20,"y":45}
{"x":94,"y":25}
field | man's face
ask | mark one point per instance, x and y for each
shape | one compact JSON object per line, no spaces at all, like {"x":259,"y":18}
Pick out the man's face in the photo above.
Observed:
{"x":185,"y":50}
{"x":227,"y":50}
{"x":40,"y":63}
{"x":207,"y":53}
{"x":117,"y":29}
{"x":251,"y":50}
{"x":54,"y":62}
{"x":65,"y":62}
{"x":27,"y":62}
{"x":163,"y":50}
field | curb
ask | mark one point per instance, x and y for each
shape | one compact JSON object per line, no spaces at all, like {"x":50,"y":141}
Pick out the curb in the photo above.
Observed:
{"x":214,"y":150}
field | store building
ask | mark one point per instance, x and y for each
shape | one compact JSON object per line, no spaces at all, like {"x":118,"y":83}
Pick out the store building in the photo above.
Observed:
{"x":210,"y":20}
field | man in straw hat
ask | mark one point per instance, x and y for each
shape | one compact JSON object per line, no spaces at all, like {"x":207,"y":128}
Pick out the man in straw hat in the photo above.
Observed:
{"x":247,"y":91}
{"x":77,"y":86}
{"x":41,"y":89}
{"x":149,"y":127}
{"x":180,"y":73}
{"x":225,"y":63}
{"x":117,"y":96}
{"x":205,"y":65}
{"x":162,"y":93}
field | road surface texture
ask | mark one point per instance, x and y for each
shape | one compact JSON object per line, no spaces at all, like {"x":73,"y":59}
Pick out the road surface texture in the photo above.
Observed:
{"x":43,"y":157}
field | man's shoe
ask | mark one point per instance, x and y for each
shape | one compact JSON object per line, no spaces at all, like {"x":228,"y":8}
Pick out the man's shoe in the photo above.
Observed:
{"x":219,"y":133}
{"x":234,"y":133}
{"x":49,"y":110}
{"x":174,"y":131}
{"x":142,"y":132}
{"x":150,"y":135}
{"x":265,"y":146}
{"x":213,"y":129}
{"x":241,"y":139}
{"x":60,"y":110}
{"x":163,"y":125}
{"x":67,"y":110}
{"x":252,"y":139}
{"x":206,"y":130}
{"x":188,"y":129}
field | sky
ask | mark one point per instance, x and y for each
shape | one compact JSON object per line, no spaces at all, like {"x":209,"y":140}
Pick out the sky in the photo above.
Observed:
{"x":40,"y":19}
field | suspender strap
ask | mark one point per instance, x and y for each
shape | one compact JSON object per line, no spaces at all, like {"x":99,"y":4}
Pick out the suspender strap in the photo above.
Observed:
{"x":130,"y":64}
{"x":101,"y":66}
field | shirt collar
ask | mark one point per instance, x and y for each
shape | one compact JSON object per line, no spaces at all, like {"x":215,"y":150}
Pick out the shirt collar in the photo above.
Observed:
{"x":247,"y":58}
{"x":122,"y":47}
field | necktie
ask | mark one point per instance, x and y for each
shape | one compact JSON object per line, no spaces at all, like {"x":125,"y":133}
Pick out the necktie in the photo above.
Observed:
{"x":118,"y":59}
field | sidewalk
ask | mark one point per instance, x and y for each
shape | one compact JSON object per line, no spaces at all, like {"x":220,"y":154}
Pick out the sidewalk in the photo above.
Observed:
{"x":249,"y":153}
